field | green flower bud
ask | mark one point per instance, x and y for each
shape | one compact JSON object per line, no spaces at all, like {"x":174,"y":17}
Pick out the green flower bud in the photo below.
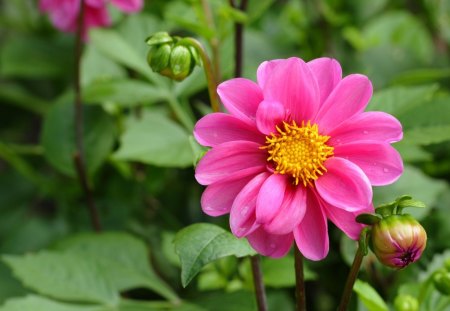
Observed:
{"x":398,"y":240}
{"x":406,"y":303}
{"x":441,"y":280}
{"x":159,"y":58}
{"x":181,"y":62}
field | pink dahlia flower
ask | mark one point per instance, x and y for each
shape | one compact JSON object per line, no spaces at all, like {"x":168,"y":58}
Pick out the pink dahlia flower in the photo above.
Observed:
{"x":295,"y":150}
{"x":64,"y":13}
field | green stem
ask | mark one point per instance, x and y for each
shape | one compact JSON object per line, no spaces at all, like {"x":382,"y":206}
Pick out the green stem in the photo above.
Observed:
{"x":299,"y":281}
{"x":258,"y":283}
{"x":351,"y":278}
{"x":78,"y":157}
{"x":210,"y":77}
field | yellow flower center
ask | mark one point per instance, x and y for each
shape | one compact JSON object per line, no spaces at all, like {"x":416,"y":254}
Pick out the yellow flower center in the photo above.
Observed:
{"x":298,"y":151}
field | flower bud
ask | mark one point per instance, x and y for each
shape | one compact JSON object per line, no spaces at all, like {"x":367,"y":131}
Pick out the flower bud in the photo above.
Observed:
{"x":159,"y":57}
{"x":406,"y":303}
{"x":441,"y":280}
{"x":181,"y":62}
{"x":398,"y":240}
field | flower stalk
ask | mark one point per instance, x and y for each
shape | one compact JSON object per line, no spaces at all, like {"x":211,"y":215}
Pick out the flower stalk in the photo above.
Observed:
{"x":299,"y":281}
{"x":78,"y":157}
{"x":258,"y":282}
{"x":356,"y":265}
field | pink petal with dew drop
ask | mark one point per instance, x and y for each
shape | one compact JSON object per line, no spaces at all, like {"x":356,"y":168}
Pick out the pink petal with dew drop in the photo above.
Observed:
{"x":269,"y":115}
{"x":328,"y":74}
{"x":292,"y":84}
{"x":346,"y":221}
{"x":291,"y":212}
{"x":271,"y":245}
{"x":367,"y":126}
{"x":265,"y":70}
{"x":128,"y":6}
{"x":344,"y":185}
{"x":241,"y":97}
{"x":218,"y":128}
{"x":270,"y":197}
{"x":379,"y":161}
{"x":218,"y":197}
{"x":311,"y":235}
{"x":236,"y":159}
{"x":350,"y":96}
{"x":242,"y":214}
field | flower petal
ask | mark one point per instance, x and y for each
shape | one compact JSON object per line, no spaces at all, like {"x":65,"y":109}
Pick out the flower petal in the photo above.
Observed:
{"x":265,"y":70}
{"x":346,"y":220}
{"x":328,"y":73}
{"x":269,"y":115}
{"x":217,"y":128}
{"x":270,"y":245}
{"x":235,"y":159}
{"x":311,"y":235}
{"x":292,"y":84}
{"x":128,"y":5}
{"x":242,"y":214}
{"x":270,"y":197}
{"x":367,"y":126}
{"x":241,"y":97}
{"x":344,"y":185}
{"x":350,"y":96}
{"x":291,"y":212}
{"x":218,"y":198}
{"x":379,"y":161}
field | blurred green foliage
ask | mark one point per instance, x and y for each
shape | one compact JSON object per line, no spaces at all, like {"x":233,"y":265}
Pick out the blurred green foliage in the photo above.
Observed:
{"x":139,"y":152}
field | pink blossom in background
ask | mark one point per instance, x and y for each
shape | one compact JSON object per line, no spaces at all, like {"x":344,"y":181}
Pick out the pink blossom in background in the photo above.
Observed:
{"x":295,"y":150}
{"x":64,"y":13}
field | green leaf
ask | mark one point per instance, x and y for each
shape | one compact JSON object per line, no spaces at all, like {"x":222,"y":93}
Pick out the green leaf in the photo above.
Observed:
{"x":19,"y":96}
{"x":34,"y":57}
{"x":369,"y":297}
{"x":63,"y":276}
{"x":123,"y":260}
{"x":39,"y":303}
{"x":219,"y":301}
{"x":113,"y":45}
{"x":397,"y":100}
{"x":281,"y":273}
{"x":95,"y":66}
{"x":125,"y":93}
{"x":202,"y":243}
{"x":368,"y":219}
{"x":155,"y":139}
{"x":413,"y":181}
{"x":411,"y":203}
{"x":58,"y":137}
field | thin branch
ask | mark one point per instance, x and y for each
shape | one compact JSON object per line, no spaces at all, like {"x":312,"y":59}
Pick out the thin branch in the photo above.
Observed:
{"x":258,"y":282}
{"x":299,"y":281}
{"x":78,"y":158}
{"x":214,"y":42}
{"x":351,"y":278}
{"x":239,"y":39}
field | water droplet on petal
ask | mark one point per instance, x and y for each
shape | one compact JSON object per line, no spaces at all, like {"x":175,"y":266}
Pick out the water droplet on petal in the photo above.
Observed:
{"x":272,"y":245}
{"x":365,"y":132}
{"x":208,"y":208}
{"x":386,"y":170}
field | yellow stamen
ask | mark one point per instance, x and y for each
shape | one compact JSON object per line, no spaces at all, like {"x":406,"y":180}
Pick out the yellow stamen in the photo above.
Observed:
{"x":298,"y":151}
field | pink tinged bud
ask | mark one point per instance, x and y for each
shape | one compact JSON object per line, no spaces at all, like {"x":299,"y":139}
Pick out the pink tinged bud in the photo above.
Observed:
{"x":398,"y":240}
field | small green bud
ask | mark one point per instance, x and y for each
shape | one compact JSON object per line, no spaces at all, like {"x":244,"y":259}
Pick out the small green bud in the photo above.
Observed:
{"x":159,"y":58}
{"x":398,"y":240}
{"x":181,"y":62}
{"x":441,"y":280}
{"x":406,"y":303}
